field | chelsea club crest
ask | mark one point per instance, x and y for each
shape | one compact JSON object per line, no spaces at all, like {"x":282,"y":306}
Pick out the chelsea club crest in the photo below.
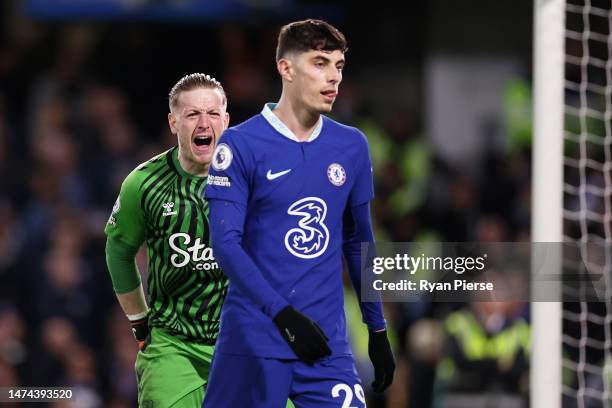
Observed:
{"x":336,"y":174}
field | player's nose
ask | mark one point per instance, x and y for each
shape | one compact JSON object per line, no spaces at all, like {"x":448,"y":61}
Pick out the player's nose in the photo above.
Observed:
{"x":203,"y":122}
{"x":334,"y":76}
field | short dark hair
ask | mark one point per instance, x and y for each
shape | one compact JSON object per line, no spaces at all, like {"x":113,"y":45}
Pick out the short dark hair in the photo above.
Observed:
{"x":306,"y":35}
{"x":193,"y":81}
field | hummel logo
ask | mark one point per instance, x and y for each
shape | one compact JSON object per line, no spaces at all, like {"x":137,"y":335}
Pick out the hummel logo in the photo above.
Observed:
{"x":290,"y":336}
{"x":168,"y":209}
{"x":272,"y":176}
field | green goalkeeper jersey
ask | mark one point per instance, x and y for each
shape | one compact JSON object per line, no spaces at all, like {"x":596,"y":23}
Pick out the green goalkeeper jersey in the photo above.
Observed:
{"x":163,"y":205}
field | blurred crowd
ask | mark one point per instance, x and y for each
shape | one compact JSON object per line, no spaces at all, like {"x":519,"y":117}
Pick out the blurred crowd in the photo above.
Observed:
{"x":78,"y":112}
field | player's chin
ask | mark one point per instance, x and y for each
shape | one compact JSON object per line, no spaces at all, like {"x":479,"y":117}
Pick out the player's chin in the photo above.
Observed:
{"x":326,"y":107}
{"x":203,"y":156}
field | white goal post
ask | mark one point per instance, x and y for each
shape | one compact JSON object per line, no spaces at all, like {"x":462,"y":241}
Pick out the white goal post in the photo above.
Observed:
{"x":547,"y":192}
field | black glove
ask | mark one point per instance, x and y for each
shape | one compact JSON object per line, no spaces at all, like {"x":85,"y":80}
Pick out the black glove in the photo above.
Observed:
{"x":382,"y":359}
{"x":303,"y":335}
{"x":140,"y":329}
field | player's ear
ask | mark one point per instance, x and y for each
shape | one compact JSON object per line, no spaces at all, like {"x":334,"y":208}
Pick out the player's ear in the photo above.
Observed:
{"x":226,"y":120}
{"x":285,"y":69}
{"x":172,"y":123}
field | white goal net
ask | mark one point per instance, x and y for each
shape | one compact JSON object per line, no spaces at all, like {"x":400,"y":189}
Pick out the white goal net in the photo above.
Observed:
{"x":571,"y":362}
{"x":587,"y":205}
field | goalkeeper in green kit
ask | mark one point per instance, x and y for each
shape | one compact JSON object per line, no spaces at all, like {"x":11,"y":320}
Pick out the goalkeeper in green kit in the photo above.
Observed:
{"x":161,"y":203}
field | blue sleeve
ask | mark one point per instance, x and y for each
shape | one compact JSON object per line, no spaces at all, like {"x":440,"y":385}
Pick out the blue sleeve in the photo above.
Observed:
{"x":230,"y":172}
{"x":226,"y":226}
{"x":357,"y":228}
{"x":363,"y":188}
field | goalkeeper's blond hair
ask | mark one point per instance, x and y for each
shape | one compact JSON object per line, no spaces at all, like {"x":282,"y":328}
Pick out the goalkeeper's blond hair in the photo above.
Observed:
{"x":194,"y":81}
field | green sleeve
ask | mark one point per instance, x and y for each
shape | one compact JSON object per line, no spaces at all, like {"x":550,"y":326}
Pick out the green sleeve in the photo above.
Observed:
{"x":127,"y":221}
{"x":125,"y":231}
{"x":121,"y":265}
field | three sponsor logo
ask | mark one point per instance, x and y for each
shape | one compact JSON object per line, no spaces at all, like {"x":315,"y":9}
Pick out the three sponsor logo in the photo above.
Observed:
{"x":310,"y":238}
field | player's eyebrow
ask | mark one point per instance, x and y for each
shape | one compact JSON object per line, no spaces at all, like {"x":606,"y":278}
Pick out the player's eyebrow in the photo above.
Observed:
{"x":325,"y":59}
{"x":321,"y":58}
{"x":190,"y":109}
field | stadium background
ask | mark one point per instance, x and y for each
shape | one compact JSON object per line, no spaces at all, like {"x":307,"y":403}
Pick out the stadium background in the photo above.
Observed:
{"x":441,"y":88}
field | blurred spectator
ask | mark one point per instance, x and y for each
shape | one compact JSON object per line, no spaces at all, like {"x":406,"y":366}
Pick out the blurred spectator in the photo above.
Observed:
{"x":57,"y":337}
{"x":67,"y":290}
{"x":123,"y":386}
{"x":485,"y":356}
{"x":13,"y":348}
{"x":81,"y":377}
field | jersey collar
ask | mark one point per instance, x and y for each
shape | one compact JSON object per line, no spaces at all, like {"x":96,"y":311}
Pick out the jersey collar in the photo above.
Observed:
{"x":281,"y":128}
{"x":175,"y":164}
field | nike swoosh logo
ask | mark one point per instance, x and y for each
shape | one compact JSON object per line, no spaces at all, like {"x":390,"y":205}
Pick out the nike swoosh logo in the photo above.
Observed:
{"x":272,"y":176}
{"x":289,"y":335}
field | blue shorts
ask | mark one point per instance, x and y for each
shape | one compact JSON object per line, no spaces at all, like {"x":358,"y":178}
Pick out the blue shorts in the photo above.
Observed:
{"x":254,"y":382}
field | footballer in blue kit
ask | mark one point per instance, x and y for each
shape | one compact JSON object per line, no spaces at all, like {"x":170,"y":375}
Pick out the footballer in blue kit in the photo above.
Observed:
{"x":289,"y":193}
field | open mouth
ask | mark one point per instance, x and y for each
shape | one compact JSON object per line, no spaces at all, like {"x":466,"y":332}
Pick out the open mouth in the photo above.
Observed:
{"x":329,"y":94}
{"x":203,"y":140}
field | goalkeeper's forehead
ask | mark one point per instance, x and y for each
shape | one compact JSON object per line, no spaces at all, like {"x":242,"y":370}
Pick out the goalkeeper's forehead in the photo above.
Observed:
{"x":200,"y":97}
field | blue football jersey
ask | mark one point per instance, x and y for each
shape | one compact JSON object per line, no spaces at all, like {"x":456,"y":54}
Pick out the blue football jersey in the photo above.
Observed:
{"x":295,"y":194}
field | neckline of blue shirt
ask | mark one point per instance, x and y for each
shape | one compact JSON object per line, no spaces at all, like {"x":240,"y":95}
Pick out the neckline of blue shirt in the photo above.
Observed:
{"x":281,"y":128}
